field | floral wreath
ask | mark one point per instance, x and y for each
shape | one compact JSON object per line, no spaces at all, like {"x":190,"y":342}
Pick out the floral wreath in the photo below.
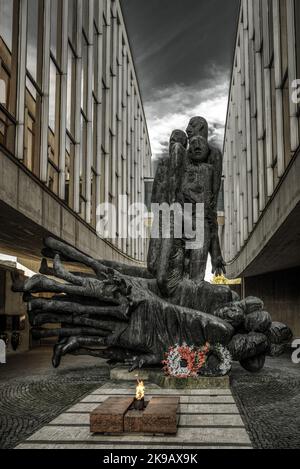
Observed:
{"x":183,"y":361}
{"x":224,"y":362}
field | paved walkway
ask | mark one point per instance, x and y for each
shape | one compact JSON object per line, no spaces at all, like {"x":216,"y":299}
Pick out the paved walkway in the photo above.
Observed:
{"x":270,"y":403}
{"x":207,"y":419}
{"x":32,"y":394}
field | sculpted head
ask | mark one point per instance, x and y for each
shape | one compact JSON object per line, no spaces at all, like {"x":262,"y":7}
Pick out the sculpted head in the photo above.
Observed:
{"x":178,"y":136}
{"x":198,"y":127}
{"x":199,"y":149}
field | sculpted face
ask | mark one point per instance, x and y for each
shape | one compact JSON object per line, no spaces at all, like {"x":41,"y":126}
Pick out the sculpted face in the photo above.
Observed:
{"x":197,"y":127}
{"x":178,"y":136}
{"x":199,"y":149}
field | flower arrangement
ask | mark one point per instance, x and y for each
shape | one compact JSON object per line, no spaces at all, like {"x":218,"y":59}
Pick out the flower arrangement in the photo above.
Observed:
{"x":183,"y":361}
{"x":223,"y":362}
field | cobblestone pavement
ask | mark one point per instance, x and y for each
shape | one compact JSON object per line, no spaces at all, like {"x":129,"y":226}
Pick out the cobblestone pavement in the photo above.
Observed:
{"x":29,"y":402}
{"x":270,"y":403}
{"x":32,"y":394}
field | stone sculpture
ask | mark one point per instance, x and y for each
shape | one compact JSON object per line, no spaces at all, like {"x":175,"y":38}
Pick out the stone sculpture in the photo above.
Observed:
{"x":132,"y":315}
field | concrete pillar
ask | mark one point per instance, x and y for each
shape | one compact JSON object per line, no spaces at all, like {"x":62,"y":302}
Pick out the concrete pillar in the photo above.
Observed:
{"x":21,"y":80}
{"x":260,"y":131}
{"x":278,"y":85}
{"x":269,"y":131}
{"x":291,"y":39}
{"x":89,"y":91}
{"x":63,"y":100}
{"x":77,"y":110}
{"x":44,"y":122}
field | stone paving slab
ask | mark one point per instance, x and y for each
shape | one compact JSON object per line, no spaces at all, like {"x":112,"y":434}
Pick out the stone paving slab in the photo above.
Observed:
{"x":155,"y":390}
{"x":84,"y":407}
{"x":188,"y":436}
{"x":183,"y":399}
{"x":213,"y":420}
{"x":50,"y":446}
{"x":208,"y":419}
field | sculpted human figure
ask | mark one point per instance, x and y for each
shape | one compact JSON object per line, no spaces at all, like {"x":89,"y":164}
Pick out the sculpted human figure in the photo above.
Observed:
{"x":133,"y":315}
{"x":166,"y":253}
{"x":191,"y":177}
{"x":202,"y":182}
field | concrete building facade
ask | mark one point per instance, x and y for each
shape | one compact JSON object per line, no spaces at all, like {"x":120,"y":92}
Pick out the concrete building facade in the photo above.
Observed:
{"x":261,"y":157}
{"x":73,"y":133}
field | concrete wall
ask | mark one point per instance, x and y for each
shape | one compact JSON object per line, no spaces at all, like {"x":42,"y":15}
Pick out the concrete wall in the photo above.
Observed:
{"x":261,"y":146}
{"x":281,"y":294}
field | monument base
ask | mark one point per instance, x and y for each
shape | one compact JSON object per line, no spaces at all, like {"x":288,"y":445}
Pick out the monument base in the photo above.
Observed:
{"x":156,"y":376}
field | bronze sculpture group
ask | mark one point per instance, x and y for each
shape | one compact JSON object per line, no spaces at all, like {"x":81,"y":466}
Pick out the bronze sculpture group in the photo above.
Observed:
{"x":132,"y":315}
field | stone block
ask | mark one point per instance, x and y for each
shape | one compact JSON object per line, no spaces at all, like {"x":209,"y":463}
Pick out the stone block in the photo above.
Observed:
{"x":109,"y":416}
{"x":159,"y":417}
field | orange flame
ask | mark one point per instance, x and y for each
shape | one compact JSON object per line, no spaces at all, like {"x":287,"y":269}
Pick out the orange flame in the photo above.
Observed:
{"x":140,"y":390}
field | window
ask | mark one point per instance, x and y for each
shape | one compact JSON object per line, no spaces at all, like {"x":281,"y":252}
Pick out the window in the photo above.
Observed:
{"x":71,"y":81}
{"x":8,"y":67}
{"x":34,"y":24}
{"x":95,"y":133}
{"x":53,"y":131}
{"x":286,"y":122}
{"x":70,"y":138}
{"x":85,"y":15}
{"x":33,"y":84}
{"x":85,"y":77}
{"x":72,"y":20}
{"x":95,"y":67}
{"x":83,"y":159}
{"x":274,"y":131}
{"x":69,"y":169}
{"x":55,"y":28}
{"x":30,"y":131}
{"x":283,"y":36}
{"x":53,"y":88}
{"x":6,"y":24}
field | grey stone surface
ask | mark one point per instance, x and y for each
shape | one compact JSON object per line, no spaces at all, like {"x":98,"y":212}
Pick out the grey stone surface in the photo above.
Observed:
{"x":32,"y":393}
{"x":269,"y":403}
{"x":27,"y":405}
{"x":212,"y":424}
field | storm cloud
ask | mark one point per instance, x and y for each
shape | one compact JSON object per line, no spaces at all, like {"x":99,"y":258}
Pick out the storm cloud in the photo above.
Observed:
{"x":183,"y":52}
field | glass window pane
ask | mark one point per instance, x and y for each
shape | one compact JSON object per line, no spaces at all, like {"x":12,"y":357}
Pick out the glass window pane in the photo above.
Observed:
{"x":70,"y":91}
{"x":72,"y":7}
{"x":84,"y":78}
{"x":7,"y":132}
{"x":6,"y":23}
{"x":32,"y":37}
{"x":85,"y":15}
{"x":8,"y":56}
{"x":70,"y":149}
{"x":96,"y":12}
{"x":54,"y":27}
{"x":52,"y":96}
{"x":95,"y":68}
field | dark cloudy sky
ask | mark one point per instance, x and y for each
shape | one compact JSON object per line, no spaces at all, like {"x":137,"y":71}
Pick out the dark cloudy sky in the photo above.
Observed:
{"x":183,"y":52}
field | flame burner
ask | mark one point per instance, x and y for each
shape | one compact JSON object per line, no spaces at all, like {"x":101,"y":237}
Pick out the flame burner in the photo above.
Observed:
{"x":139,"y":404}
{"x":139,"y":401}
